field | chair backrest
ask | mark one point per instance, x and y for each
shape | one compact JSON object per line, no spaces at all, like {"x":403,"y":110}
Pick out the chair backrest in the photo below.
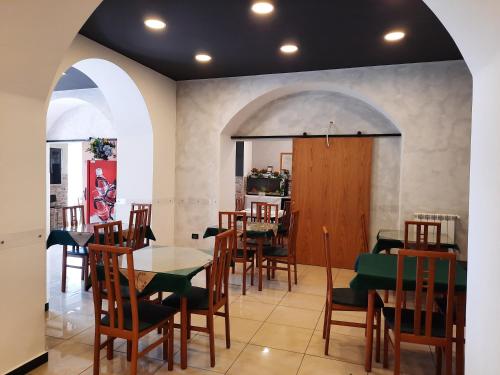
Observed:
{"x":423,"y":229}
{"x":364,"y":235}
{"x":230,"y":220}
{"x":137,"y":226}
{"x":287,"y":210}
{"x":73,"y":216}
{"x":425,"y":291}
{"x":109,"y":233}
{"x":141,"y":206}
{"x":328,"y":262}
{"x":106,"y":257}
{"x":255,"y":208}
{"x":239,"y":204}
{"x":218,"y":282}
{"x":292,"y":234}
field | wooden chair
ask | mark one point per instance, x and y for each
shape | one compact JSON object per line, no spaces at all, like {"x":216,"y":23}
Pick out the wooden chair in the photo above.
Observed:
{"x":137,"y":227}
{"x":255,"y":208}
{"x":284,"y":222}
{"x":141,"y":206}
{"x":274,"y":255}
{"x":73,"y":216}
{"x":239,"y":204}
{"x":208,"y":301}
{"x":242,"y":255}
{"x":422,"y":233}
{"x":421,"y":326}
{"x":128,"y":319}
{"x":346,"y":299}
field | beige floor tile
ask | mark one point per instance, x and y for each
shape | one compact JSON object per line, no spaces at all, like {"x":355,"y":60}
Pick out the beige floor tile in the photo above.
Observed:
{"x":294,"y":317}
{"x":51,"y":342}
{"x":303,"y":301}
{"x":343,"y":348}
{"x":68,"y":325}
{"x":323,"y":366}
{"x":248,"y":309}
{"x":67,"y":358}
{"x":270,"y":296}
{"x":199,"y":354}
{"x":265,"y":361}
{"x":283,"y":337}
{"x":188,"y":371}
{"x":119,"y":365}
{"x":87,"y":337}
{"x":241,"y":330}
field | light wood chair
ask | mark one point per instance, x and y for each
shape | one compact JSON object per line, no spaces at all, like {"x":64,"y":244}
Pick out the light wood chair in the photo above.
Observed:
{"x":423,"y":230}
{"x":421,"y":326}
{"x":346,"y":299}
{"x":137,"y":227}
{"x":239,"y":204}
{"x":74,"y":216}
{"x":129,"y":318}
{"x":244,"y":255}
{"x":141,"y":206}
{"x":276,"y":255}
{"x":208,"y":301}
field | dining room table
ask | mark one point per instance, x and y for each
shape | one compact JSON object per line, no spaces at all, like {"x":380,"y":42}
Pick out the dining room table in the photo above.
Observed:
{"x":379,"y":272}
{"x":259,"y":231}
{"x":388,"y":239}
{"x":170,"y":269}
{"x":83,"y":234}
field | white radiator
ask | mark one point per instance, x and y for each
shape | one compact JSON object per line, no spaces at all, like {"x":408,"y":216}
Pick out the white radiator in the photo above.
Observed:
{"x":448,"y":224}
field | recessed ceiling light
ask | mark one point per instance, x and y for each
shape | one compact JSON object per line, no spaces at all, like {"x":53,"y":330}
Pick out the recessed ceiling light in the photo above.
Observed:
{"x":262,"y":7}
{"x":289,"y":48}
{"x":155,"y":24}
{"x":203,"y":57}
{"x":394,"y":36}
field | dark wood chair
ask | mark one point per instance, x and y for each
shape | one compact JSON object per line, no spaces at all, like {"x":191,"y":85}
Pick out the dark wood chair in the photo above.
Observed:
{"x":256,"y":210}
{"x":73,"y":216}
{"x":129,"y":318}
{"x":346,"y":299}
{"x":284,"y":222}
{"x":423,"y":230}
{"x":242,"y":254}
{"x":421,"y":326}
{"x":141,"y":206}
{"x":276,"y":255}
{"x":239,"y":204}
{"x":208,"y":301}
{"x":137,"y":227}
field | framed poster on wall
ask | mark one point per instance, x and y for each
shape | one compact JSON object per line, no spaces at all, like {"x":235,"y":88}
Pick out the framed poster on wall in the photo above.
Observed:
{"x":101,"y":190}
{"x":286,"y":162}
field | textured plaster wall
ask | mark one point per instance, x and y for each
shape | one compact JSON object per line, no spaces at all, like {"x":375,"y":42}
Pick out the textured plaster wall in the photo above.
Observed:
{"x":429,"y":103}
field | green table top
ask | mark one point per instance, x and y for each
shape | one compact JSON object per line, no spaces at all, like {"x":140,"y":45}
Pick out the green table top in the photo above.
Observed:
{"x":378,"y":271}
{"x":213,"y":231}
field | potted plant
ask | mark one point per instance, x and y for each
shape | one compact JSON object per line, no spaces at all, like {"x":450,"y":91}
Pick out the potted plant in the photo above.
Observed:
{"x":102,"y":148}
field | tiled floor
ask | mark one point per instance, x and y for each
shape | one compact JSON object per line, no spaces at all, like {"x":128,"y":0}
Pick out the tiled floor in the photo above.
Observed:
{"x":272,"y":332}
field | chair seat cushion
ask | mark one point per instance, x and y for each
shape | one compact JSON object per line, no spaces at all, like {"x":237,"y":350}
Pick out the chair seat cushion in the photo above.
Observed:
{"x":197,"y":299}
{"x":275,"y":251}
{"x":250,"y":253}
{"x":150,"y":314}
{"x":407,"y":319}
{"x":354,"y":298}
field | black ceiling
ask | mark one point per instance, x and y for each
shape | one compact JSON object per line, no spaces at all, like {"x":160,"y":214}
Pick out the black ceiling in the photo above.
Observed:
{"x":330,"y":33}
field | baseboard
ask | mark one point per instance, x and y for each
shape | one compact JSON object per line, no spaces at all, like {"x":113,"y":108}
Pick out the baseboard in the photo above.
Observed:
{"x":47,"y":306}
{"x":31,"y":365}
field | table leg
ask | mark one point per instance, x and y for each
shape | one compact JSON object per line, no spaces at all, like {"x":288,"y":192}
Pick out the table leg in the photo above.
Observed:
{"x":184,"y":320}
{"x":260,"y":245}
{"x":369,"y":330}
{"x":460,"y":347}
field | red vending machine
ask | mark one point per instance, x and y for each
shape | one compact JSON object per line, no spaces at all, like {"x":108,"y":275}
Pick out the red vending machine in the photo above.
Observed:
{"x":101,"y":190}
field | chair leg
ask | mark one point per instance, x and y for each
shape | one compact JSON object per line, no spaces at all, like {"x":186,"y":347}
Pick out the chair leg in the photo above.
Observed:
{"x":439,"y":360}
{"x":269,"y":265}
{"x":134,"y":358}
{"x":324,"y":319}
{"x":288,"y":266}
{"x":386,"y":296}
{"x":244,"y":284}
{"x":97,"y":354}
{"x":273,"y":270}
{"x":129,"y":349}
{"x":189,"y":325}
{"x":253,"y":271}
{"x":397,"y":355}
{"x":171,"y":344}
{"x":110,"y":348}
{"x":166,"y":333}
{"x":211,"y":338}
{"x":386,"y":345}
{"x":328,"y":321}
{"x":64,"y":266}
{"x":85,"y":262}
{"x":377,"y":332}
{"x":226,"y":321}
{"x":449,"y":358}
{"x":295,"y":271}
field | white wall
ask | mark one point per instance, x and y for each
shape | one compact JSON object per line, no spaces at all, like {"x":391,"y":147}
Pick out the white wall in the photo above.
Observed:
{"x":267,"y":152}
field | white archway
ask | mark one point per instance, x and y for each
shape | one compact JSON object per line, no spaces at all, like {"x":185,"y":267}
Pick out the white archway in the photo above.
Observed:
{"x":132,"y":124}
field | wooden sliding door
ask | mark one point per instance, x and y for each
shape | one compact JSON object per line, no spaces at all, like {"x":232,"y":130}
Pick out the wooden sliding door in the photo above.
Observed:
{"x":331,"y":187}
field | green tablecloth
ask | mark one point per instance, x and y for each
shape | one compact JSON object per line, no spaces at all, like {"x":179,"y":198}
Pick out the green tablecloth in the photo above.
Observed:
{"x":378,"y":271}
{"x":385,"y":243}
{"x":63,"y":237}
